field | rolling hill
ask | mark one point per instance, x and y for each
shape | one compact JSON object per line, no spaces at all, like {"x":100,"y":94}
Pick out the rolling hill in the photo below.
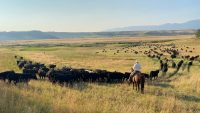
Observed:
{"x":187,"y":28}
{"x":34,"y":35}
{"x":25,"y":35}
{"x":193,"y":24}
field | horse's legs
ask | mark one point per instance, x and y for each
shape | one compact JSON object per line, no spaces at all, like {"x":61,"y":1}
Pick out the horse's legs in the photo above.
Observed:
{"x":133,"y":85}
{"x":138,"y":86}
{"x":142,"y":87}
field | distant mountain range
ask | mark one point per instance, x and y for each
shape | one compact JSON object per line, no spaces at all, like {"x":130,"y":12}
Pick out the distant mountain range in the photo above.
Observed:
{"x":25,"y":35}
{"x":187,"y":28}
{"x":194,"y":24}
{"x":34,"y":35}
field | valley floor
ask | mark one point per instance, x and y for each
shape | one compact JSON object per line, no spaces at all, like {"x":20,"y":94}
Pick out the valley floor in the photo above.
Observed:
{"x":169,"y":94}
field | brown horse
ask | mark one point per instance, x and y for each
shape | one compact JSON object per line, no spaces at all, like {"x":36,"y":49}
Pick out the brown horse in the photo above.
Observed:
{"x":138,"y":81}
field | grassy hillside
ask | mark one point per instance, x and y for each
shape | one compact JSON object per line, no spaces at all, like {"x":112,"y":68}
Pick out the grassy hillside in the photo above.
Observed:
{"x":176,"y":94}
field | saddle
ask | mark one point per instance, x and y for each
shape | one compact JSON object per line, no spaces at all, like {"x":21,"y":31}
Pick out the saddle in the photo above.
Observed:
{"x":136,"y":72}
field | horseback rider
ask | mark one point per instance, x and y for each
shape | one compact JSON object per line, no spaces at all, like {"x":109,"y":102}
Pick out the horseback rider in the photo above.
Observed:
{"x":135,"y":69}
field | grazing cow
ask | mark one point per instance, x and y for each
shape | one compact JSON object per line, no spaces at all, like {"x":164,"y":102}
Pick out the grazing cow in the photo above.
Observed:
{"x":4,"y":75}
{"x":50,"y":73}
{"x":30,"y":71}
{"x":25,"y":77}
{"x":179,"y":65}
{"x":192,"y":58}
{"x":61,"y":78}
{"x":52,"y":66}
{"x":173,"y":56}
{"x":161,"y":65}
{"x":145,"y":75}
{"x":154,"y":74}
{"x":126,"y":75}
{"x":21,"y":64}
{"x":165,"y":67}
{"x":173,"y":64}
{"x":28,"y":66}
{"x":42,"y":73}
{"x":187,"y":57}
{"x":115,"y":77}
{"x":102,"y":75}
{"x":66,"y":68}
{"x":11,"y":76}
{"x":189,"y":65}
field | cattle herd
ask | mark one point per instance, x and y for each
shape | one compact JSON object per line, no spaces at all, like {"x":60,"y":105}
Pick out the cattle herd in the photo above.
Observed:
{"x":168,"y":55}
{"x":67,"y":75}
{"x":36,"y":71}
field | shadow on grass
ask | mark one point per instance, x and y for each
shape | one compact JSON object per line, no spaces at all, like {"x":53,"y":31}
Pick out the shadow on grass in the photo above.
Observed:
{"x":173,"y":74}
{"x":175,"y":94}
{"x":162,"y":85}
{"x":80,"y":86}
{"x":190,"y":98}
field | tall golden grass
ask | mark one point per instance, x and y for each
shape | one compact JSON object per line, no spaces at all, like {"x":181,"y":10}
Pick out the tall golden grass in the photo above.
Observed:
{"x":177,"y":94}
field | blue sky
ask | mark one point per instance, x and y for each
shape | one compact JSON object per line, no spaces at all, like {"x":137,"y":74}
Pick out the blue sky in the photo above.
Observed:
{"x":92,"y":15}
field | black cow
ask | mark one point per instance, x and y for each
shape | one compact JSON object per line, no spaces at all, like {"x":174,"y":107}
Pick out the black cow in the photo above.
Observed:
{"x":165,"y":67}
{"x":173,"y":64}
{"x":4,"y":75}
{"x":154,"y":74}
{"x":25,"y":77}
{"x":161,"y":65}
{"x":42,"y":73}
{"x":179,"y":65}
{"x":30,"y":71}
{"x":102,"y":75}
{"x":52,"y":66}
{"x":115,"y":77}
{"x":11,"y":76}
{"x":189,"y":65}
{"x":21,"y":63}
{"x":145,"y":75}
{"x":173,"y":56}
{"x":61,"y":78}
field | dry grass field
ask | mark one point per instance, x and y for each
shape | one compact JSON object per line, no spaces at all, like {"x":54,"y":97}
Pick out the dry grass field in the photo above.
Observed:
{"x":90,"y":40}
{"x":169,"y":94}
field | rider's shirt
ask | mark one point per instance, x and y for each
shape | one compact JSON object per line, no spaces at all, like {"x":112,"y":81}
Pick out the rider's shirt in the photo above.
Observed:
{"x":137,"y":67}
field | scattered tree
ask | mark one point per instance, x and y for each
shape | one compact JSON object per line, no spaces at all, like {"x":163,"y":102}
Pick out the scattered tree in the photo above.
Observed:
{"x":198,"y":33}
